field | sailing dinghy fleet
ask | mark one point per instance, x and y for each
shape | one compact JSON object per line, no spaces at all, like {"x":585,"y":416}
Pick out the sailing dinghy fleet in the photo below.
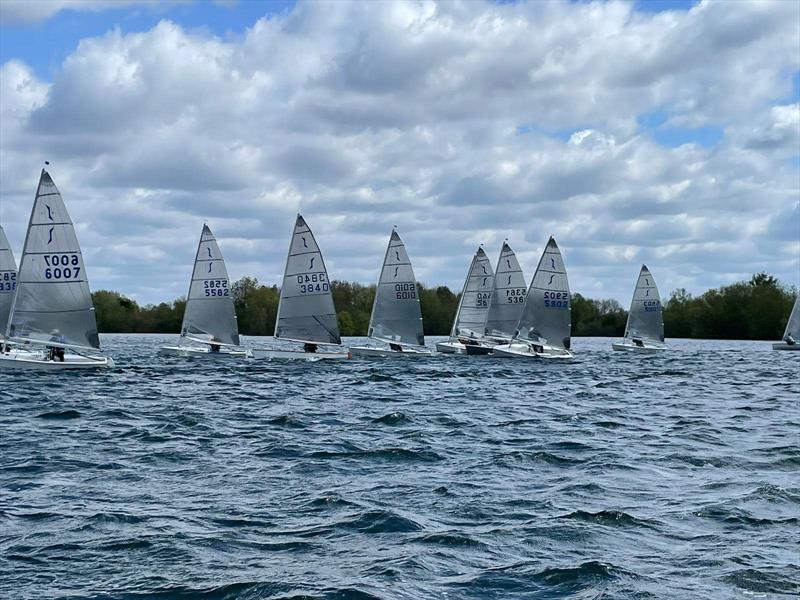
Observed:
{"x":47,"y":319}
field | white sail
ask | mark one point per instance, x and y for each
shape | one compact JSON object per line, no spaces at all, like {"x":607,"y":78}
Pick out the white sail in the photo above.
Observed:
{"x":305,"y":311}
{"x":508,"y":296}
{"x":546,"y":317}
{"x":210,"y":315}
{"x":475,"y":298}
{"x":793,"y":326}
{"x":396,"y":315}
{"x":645,"y":319}
{"x":52,"y":304}
{"x":8,"y":280}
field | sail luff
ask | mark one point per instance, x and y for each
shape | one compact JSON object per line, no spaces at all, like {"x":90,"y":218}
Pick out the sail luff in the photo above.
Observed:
{"x":52,"y":303}
{"x":209,"y":310}
{"x":306,"y":312}
{"x":546,"y":317}
{"x":396,"y":314}
{"x":645,"y":318}
{"x":505,"y":309}
{"x":793,"y":324}
{"x":461,"y":299}
{"x":8,"y":281}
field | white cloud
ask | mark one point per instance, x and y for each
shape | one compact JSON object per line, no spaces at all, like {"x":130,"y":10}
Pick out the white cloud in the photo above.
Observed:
{"x":461,"y":123}
{"x":33,"y":11}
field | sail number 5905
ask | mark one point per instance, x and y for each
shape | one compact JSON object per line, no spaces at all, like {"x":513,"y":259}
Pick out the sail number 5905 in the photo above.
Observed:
{"x":61,"y":266}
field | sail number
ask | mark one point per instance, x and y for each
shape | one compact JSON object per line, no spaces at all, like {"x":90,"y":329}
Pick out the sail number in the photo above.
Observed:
{"x":216,"y":287}
{"x":652,"y":305}
{"x":8,"y":282}
{"x":61,"y":266}
{"x":312,"y":283}
{"x":516,"y":296}
{"x":405,"y":291}
{"x":483,"y":299}
{"x":556,"y":299}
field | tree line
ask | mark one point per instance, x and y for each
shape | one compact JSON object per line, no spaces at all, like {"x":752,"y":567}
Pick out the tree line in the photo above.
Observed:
{"x":756,"y":309}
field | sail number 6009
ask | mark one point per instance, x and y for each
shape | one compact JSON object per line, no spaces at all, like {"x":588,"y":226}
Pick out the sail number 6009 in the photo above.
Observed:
{"x":61,"y":266}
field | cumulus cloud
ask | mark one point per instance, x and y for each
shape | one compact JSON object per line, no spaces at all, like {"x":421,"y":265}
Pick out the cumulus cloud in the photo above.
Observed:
{"x":32,"y":11}
{"x":459,"y":122}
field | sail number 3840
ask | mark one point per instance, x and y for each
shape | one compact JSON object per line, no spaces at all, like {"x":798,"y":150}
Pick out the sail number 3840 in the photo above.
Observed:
{"x":312,"y":283}
{"x":61,"y":266}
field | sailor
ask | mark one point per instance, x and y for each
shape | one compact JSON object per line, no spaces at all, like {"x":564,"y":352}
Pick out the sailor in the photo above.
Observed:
{"x":214,"y":348}
{"x":790,"y":340}
{"x":309,"y":347}
{"x":395,"y":347}
{"x":638,"y":342}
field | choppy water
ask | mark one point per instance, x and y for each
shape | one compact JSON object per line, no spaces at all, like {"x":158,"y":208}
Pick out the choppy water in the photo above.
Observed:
{"x":613,"y":477}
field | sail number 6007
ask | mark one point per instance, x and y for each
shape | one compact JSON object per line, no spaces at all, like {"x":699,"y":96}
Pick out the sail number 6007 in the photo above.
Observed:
{"x":61,"y":266}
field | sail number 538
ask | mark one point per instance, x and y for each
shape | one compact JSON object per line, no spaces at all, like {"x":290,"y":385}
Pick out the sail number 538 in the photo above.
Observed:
{"x":61,"y":266}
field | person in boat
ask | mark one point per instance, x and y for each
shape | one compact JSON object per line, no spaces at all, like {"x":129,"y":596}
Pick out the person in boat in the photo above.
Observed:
{"x":395,"y":347}
{"x":214,"y":348}
{"x":56,"y":353}
{"x":638,"y":342}
{"x":790,"y":341}
{"x":309,"y":347}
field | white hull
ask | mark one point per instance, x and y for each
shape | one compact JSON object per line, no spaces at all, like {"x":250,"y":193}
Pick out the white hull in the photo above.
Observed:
{"x":196,"y":352}
{"x":630,"y":347}
{"x":373,"y":351}
{"x":785,"y":346}
{"x":37,"y":361}
{"x":270,"y":354}
{"x":450,"y":348}
{"x":518,"y":350}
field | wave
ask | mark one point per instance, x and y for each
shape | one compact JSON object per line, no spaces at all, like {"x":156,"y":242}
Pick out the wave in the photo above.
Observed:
{"x":380,"y":521}
{"x":59,"y":415}
{"x":610,"y":518}
{"x":762,"y":582}
{"x":383,"y":454}
{"x":395,"y":418}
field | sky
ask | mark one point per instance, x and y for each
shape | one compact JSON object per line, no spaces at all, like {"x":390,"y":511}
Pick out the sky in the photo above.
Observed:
{"x":664,"y":132}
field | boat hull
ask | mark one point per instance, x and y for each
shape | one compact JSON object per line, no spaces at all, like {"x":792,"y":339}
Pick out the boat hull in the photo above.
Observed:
{"x":26,"y":360}
{"x":272,"y":354}
{"x":450,"y":347}
{"x":478,"y":350}
{"x":785,"y":346}
{"x":625,"y":347}
{"x":527,"y":351}
{"x":196,"y":352}
{"x":373,"y":351}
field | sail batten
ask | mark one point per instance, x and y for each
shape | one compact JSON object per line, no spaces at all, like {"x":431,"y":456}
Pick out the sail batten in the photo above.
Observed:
{"x":546,"y":317}
{"x":396,"y":314}
{"x":60,"y":313}
{"x":508,"y":296}
{"x":8,"y":280}
{"x":645,"y":318}
{"x":306,"y":313}
{"x":210,"y":317}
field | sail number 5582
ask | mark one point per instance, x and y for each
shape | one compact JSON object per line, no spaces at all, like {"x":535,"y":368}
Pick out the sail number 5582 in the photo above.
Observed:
{"x":61,"y":266}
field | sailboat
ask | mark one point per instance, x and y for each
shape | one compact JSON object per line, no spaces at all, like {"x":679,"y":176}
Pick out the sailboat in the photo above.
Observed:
{"x":305,"y":310}
{"x":52,"y":307}
{"x":505,"y":306}
{"x":209,"y":326}
{"x":544,"y":328}
{"x":644,"y":331}
{"x":792,"y":333}
{"x":472,"y":307}
{"x":8,"y":281}
{"x":396,"y":316}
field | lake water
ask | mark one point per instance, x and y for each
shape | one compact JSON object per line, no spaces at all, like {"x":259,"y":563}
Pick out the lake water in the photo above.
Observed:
{"x":615,"y":476}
